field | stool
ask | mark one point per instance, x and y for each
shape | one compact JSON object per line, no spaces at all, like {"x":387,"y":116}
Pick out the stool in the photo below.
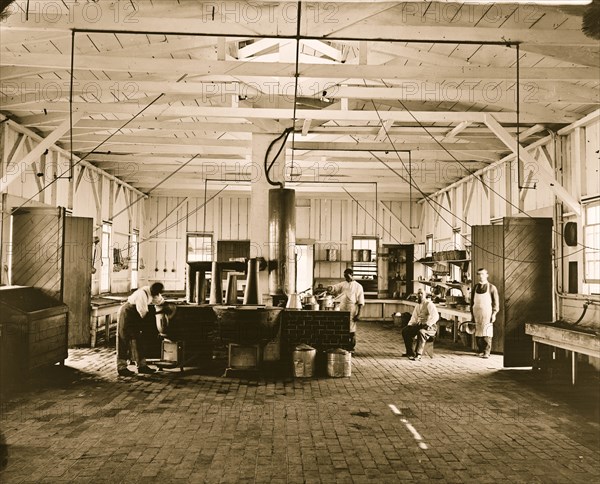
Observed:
{"x":428,"y":348}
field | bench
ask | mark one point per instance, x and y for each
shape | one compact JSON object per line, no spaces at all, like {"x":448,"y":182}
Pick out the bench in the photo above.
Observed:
{"x":103,"y":318}
{"x":571,"y":338}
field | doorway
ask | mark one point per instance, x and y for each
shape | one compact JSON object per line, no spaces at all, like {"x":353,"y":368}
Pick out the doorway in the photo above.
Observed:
{"x":304,"y":267}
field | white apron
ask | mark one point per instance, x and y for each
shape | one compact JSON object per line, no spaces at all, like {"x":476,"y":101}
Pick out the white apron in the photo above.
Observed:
{"x":482,"y":313}
{"x":346,"y":305}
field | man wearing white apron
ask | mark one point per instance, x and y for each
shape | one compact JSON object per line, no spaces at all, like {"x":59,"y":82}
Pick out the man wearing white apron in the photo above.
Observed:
{"x":352,"y":298}
{"x":484,"y":308}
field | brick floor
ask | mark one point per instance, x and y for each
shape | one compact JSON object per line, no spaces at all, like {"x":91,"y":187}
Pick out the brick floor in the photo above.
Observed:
{"x":454,"y":418}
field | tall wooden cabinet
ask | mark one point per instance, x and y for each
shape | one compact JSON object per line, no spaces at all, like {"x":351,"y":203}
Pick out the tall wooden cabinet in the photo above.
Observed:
{"x":395,"y":271}
{"x":53,"y":252}
{"x":518,"y":257}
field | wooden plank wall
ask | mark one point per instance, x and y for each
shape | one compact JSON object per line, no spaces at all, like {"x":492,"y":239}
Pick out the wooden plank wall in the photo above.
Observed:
{"x":56,"y":189}
{"x":576,"y":162}
{"x":328,"y":222}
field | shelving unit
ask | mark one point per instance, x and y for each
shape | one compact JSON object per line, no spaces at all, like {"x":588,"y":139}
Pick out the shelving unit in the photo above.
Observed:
{"x":396,"y":271}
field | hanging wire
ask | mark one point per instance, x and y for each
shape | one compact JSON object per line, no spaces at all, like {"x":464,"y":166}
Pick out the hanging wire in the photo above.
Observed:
{"x":87,"y":154}
{"x":431,"y":201}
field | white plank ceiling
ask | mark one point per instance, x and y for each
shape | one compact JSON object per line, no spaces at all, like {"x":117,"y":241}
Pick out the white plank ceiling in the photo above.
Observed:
{"x":160,"y":81}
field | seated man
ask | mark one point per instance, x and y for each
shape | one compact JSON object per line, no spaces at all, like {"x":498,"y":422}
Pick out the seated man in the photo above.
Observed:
{"x":422,"y":324}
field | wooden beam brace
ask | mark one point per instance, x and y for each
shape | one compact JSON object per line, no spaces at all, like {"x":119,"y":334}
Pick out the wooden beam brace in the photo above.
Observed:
{"x":469,"y":198}
{"x":525,"y":190}
{"x":456,"y":130}
{"x":177,"y":207}
{"x":545,"y":175}
{"x":36,"y":152}
{"x":306,"y":126}
{"x":382,"y":134}
{"x":398,"y":219}
{"x":18,"y":145}
{"x":97,"y":192}
{"x":117,"y":191}
{"x":536,"y":128}
{"x":79,"y":177}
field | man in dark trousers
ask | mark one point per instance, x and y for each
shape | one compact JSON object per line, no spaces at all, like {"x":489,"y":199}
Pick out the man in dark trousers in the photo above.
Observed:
{"x":484,"y":308}
{"x":130,"y":325}
{"x":422,"y":324}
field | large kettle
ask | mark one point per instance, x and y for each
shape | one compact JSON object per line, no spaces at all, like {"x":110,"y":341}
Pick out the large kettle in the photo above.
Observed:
{"x":164,"y":315}
{"x":294,"y":301}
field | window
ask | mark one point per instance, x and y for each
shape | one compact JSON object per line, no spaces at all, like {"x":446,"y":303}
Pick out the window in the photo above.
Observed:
{"x":365,"y":271}
{"x":429,"y":246}
{"x":105,"y":259}
{"x":199,"y":247}
{"x":455,"y":272}
{"x":591,"y":240}
{"x":134,"y":246}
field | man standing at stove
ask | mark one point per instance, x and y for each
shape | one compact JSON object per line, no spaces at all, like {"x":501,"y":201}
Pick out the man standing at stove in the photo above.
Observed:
{"x":130,"y":324}
{"x":352,"y":298}
{"x":484,"y":308}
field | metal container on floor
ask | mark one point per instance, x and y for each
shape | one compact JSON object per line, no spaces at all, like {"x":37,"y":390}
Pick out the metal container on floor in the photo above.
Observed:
{"x":303,"y":360}
{"x":339,"y":363}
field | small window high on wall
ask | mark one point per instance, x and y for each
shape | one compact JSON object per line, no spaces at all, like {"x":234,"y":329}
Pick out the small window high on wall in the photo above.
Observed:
{"x":106,"y":269}
{"x":199,"y":247}
{"x":134,"y":245}
{"x":591,"y":241}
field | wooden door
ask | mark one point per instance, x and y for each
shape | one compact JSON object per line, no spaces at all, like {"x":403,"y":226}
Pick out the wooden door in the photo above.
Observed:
{"x":37,"y":250}
{"x":77,"y":277}
{"x":487,"y":251}
{"x":528,"y":284}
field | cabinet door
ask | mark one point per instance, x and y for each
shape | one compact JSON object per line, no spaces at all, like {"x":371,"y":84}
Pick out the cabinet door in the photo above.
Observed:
{"x":527,"y":284}
{"x":487,"y":251}
{"x":37,"y":249}
{"x":77,"y":277}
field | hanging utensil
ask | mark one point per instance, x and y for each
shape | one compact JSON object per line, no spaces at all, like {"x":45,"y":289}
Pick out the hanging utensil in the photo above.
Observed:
{"x":165,"y":267}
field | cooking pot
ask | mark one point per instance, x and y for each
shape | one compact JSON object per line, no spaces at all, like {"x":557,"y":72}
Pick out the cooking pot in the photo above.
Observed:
{"x":326,"y":303}
{"x":331,"y":254}
{"x":308,"y":299}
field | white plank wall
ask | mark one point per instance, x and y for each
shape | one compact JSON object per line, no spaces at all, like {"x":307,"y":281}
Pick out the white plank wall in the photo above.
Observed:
{"x":325,"y":221}
{"x":46,"y":190}
{"x":573,"y":157}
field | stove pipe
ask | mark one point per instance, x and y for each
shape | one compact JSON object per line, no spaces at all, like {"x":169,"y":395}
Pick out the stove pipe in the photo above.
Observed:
{"x":282,"y":241}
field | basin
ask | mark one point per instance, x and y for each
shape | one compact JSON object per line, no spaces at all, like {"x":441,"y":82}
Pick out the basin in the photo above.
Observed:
{"x":247,"y":324}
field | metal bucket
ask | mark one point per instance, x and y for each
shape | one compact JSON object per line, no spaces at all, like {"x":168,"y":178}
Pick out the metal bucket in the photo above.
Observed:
{"x":365,"y":255}
{"x":303,"y":360}
{"x":331,"y":254}
{"x":356,"y":255}
{"x":339,"y":363}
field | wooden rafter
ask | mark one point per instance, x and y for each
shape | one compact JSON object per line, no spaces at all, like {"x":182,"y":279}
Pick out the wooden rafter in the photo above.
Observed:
{"x":544,"y":172}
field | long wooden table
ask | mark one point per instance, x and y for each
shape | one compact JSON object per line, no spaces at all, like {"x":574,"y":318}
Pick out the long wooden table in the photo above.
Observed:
{"x":383,"y":309}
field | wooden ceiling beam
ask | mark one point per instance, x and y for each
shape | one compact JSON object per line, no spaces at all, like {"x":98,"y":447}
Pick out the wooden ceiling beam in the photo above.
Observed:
{"x":273,"y":70}
{"x":302,"y":114}
{"x":352,"y":24}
